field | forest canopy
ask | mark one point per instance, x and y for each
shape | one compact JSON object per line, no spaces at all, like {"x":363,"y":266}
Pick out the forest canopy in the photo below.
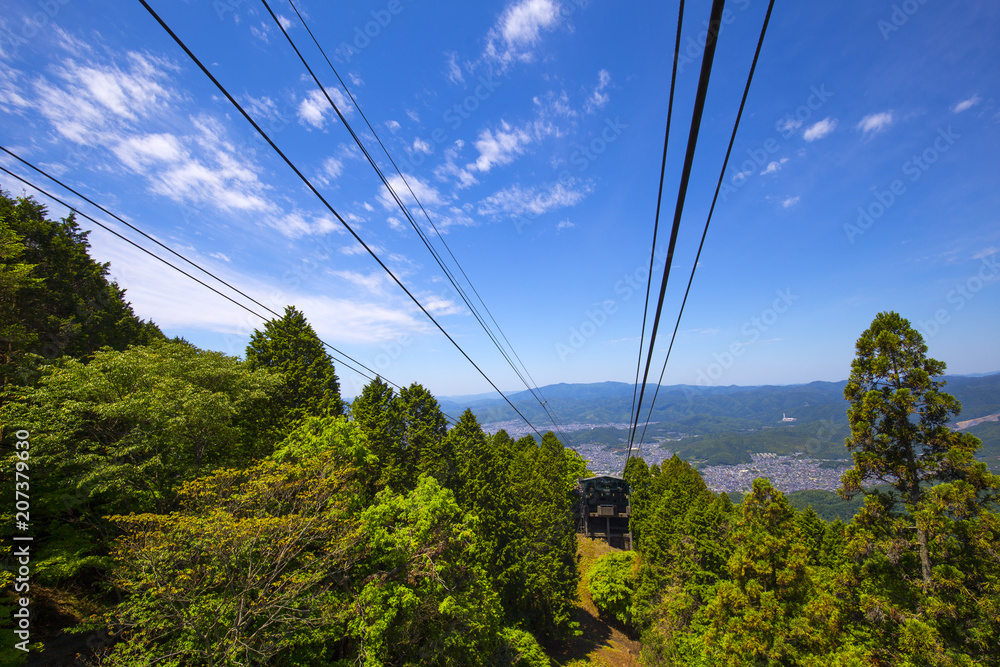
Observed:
{"x":194,"y":508}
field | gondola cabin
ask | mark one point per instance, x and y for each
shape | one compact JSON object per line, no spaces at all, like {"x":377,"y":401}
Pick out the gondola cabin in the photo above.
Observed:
{"x":603,"y":509}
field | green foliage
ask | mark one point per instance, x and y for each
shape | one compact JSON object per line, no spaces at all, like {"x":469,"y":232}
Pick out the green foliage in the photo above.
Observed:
{"x":748,"y":619}
{"x":55,"y":299}
{"x":122,"y":433}
{"x":379,"y":415}
{"x":422,"y":597}
{"x":828,"y":505}
{"x":15,"y":277}
{"x":899,"y":433}
{"x":242,"y":574}
{"x":612,"y":585}
{"x":424,"y":425}
{"x":290,"y":346}
{"x":519,"y":648}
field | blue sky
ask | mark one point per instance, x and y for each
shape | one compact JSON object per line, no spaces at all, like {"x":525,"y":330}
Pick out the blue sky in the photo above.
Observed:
{"x":864,"y":176}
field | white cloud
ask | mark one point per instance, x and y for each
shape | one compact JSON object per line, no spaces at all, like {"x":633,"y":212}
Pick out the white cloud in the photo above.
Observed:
{"x":331,"y":169}
{"x":219,"y":256}
{"x":516,"y":200}
{"x":788,"y":125}
{"x":413,"y":115}
{"x":92,"y":104}
{"x":876,"y":122}
{"x":141,"y":152}
{"x":261,"y":32}
{"x":450,"y":169}
{"x":422,"y":146}
{"x":501,"y":147}
{"x":298,"y":224}
{"x":774,"y":166}
{"x":392,"y":125}
{"x":427,"y":194}
{"x":965,"y":105}
{"x":820,"y":129}
{"x":553,"y":104}
{"x":599,"y":98}
{"x":454,"y":71}
{"x":181,"y":304}
{"x":286,"y":23}
{"x":315,"y":108}
{"x":565,"y":224}
{"x":441,"y":306}
{"x":373,"y":283}
{"x":518,"y":30}
{"x":986,"y":252}
{"x":790,"y":202}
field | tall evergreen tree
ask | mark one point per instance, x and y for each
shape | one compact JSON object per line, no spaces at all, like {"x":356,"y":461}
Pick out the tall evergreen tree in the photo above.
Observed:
{"x":74,"y":310}
{"x":899,"y":428}
{"x":423,"y":425}
{"x":15,"y":276}
{"x":290,"y":345}
{"x":379,"y":414}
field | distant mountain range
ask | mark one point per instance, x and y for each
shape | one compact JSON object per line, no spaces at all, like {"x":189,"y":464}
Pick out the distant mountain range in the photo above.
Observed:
{"x":730,"y":406}
{"x":729,"y":422}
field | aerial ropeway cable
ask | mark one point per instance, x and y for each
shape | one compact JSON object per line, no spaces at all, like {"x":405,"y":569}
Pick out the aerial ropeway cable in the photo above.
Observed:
{"x":536,"y":394}
{"x":711,"y":211}
{"x":714,"y":25}
{"x":327,"y":204}
{"x":346,"y":360}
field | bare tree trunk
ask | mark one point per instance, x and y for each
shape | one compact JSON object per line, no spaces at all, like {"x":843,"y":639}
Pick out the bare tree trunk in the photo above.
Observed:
{"x":925,"y":557}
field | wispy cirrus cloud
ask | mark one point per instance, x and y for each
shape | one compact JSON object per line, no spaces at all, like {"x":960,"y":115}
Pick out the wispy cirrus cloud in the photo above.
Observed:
{"x":598,"y":98}
{"x":966,"y":104}
{"x":534,"y":200}
{"x":820,"y":129}
{"x":518,"y":31}
{"x":876,"y":122}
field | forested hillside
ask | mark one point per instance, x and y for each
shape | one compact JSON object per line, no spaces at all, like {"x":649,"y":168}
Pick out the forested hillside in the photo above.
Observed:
{"x":707,"y":409}
{"x":186,"y":507}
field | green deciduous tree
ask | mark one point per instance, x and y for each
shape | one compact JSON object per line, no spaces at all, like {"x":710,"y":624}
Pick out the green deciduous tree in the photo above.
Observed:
{"x":290,"y":346}
{"x":612,"y":585}
{"x":123,"y":432}
{"x":248,"y":572}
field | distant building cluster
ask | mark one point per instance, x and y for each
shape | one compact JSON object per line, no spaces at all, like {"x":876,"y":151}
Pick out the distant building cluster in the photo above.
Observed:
{"x":786,"y":473}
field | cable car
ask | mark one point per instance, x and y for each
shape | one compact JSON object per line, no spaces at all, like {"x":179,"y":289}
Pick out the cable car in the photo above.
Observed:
{"x":603,"y":509}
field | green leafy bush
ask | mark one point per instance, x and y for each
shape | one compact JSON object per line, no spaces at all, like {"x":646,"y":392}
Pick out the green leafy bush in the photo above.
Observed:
{"x":612,"y":585}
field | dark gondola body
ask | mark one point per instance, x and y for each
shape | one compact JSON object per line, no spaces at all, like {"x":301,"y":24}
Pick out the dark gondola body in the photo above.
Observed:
{"x":603,"y":510}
